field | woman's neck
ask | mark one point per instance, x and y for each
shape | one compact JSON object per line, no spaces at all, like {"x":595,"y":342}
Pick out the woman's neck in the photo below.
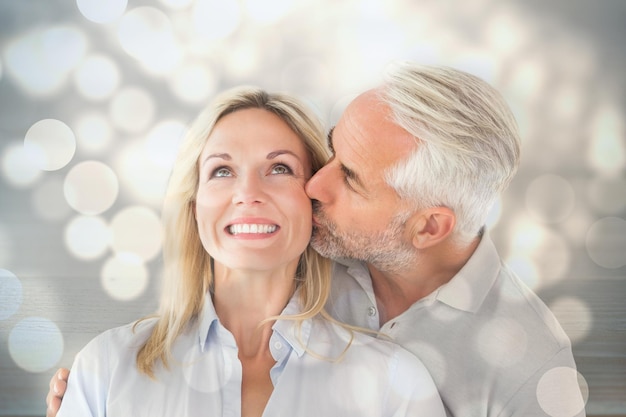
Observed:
{"x":244,"y":299}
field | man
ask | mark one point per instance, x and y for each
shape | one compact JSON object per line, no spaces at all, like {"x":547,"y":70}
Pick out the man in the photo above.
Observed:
{"x":417,"y":164}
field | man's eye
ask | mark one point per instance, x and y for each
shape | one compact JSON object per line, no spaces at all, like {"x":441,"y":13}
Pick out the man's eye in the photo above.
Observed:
{"x":281,"y":169}
{"x":346,"y":181}
{"x":221,"y":172}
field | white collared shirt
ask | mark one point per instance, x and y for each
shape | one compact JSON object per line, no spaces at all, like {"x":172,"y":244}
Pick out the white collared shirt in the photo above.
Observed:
{"x":374,"y":378}
{"x":491,"y":345}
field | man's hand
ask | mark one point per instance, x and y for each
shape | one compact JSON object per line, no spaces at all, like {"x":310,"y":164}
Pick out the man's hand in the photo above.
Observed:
{"x":58,"y":385}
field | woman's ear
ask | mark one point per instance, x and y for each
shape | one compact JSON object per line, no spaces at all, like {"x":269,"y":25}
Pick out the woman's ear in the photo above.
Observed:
{"x":430,"y":226}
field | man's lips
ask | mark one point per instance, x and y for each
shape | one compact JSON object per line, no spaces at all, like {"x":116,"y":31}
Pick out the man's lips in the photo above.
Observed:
{"x":315,"y":222}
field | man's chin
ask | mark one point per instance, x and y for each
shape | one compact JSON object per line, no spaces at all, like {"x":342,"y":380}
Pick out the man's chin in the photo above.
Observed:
{"x":320,"y":242}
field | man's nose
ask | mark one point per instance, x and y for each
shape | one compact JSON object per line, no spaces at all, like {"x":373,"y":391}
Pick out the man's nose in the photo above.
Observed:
{"x":318,"y":186}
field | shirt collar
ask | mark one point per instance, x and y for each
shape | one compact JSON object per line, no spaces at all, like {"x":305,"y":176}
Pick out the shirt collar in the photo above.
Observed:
{"x":207,"y":318}
{"x":296,"y":336}
{"x":296,"y":333}
{"x":359,"y":271}
{"x":467,"y":290}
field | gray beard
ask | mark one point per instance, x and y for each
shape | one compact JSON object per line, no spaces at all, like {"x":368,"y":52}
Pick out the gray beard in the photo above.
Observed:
{"x":384,"y":250}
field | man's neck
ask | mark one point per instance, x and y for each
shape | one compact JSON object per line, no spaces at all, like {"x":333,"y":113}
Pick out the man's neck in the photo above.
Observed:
{"x":396,"y":291}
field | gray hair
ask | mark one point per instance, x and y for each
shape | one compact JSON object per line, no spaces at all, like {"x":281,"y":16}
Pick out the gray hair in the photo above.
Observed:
{"x":468,"y":142}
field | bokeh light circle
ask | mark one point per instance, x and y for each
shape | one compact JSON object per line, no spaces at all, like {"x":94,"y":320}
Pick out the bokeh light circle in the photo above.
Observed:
{"x":307,"y":77}
{"x":10,"y":294}
{"x":607,"y":152}
{"x":608,"y":195}
{"x":136,"y":230}
{"x":124,"y":276}
{"x":87,"y":237}
{"x":97,"y":77}
{"x":52,"y":141}
{"x":36,"y":344}
{"x":40,"y":61}
{"x":193,"y":83}
{"x":93,"y":132}
{"x":132,"y":109}
{"x":20,"y":167}
{"x":99,"y":11}
{"x":141,"y":30}
{"x":176,"y":4}
{"x":215,"y":19}
{"x":545,"y":251}
{"x":606,"y":242}
{"x":502,"y":342}
{"x":559,"y":392}
{"x":162,"y":142}
{"x":146,"y":34}
{"x":245,"y":58}
{"x":48,"y":201}
{"x":91,"y":187}
{"x":145,"y":178}
{"x":550,"y":198}
{"x":267,"y":12}
{"x":574,"y":316}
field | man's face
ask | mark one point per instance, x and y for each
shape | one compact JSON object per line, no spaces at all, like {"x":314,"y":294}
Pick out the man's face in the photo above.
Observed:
{"x":356,"y":214}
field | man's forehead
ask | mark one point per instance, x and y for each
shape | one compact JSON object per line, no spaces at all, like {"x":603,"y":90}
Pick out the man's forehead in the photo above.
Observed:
{"x":367,"y":135}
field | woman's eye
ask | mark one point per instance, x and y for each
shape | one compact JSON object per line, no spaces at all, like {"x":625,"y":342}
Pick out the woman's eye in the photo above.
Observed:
{"x":281,"y":169}
{"x":221,"y":172}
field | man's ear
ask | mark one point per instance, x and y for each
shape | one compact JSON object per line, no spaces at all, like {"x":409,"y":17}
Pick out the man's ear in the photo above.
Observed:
{"x":430,"y":226}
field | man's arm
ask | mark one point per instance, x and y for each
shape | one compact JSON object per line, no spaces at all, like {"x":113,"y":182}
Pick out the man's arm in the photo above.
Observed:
{"x":58,"y":385}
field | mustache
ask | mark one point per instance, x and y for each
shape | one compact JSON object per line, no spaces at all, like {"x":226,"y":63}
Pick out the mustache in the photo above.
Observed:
{"x":319,"y":218}
{"x":317,"y":206}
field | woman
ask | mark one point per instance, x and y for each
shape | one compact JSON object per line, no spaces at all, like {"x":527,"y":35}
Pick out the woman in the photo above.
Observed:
{"x":241,"y":328}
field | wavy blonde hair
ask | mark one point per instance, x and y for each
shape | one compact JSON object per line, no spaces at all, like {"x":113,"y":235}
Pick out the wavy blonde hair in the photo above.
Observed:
{"x":187,"y":266}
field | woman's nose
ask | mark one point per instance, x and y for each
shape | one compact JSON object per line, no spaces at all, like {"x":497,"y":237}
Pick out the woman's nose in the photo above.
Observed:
{"x":248,"y":189}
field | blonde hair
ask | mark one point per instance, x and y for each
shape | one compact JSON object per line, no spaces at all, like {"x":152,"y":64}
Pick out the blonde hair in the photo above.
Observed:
{"x":468,"y":142}
{"x":187,"y":266}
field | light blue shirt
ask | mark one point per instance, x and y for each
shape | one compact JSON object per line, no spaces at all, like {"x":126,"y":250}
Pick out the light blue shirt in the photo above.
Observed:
{"x":374,"y":377}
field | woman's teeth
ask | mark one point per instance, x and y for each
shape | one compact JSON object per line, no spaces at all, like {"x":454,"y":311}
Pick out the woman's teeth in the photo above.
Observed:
{"x":236,"y":229}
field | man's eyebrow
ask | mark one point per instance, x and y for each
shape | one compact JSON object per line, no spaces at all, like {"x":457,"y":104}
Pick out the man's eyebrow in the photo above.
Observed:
{"x":329,"y":139}
{"x":351,"y":175}
{"x":347,"y":172}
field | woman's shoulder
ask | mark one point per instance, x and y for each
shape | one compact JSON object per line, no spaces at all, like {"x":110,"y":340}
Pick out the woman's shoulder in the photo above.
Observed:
{"x":130,"y":332}
{"x":120,"y":340}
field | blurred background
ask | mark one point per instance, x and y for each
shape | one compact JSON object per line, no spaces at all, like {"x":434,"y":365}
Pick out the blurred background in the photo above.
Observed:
{"x":95,"y":96}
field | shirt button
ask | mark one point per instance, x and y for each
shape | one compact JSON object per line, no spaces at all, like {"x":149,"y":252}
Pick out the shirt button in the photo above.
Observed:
{"x":371,"y":311}
{"x":278,"y":345}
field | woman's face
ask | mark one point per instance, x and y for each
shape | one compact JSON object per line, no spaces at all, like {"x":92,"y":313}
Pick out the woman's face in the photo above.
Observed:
{"x":251,"y":208}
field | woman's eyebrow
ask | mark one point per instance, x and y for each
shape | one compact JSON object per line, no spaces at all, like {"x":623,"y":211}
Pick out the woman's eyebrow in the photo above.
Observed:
{"x":224,"y":156}
{"x":279,"y":152}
